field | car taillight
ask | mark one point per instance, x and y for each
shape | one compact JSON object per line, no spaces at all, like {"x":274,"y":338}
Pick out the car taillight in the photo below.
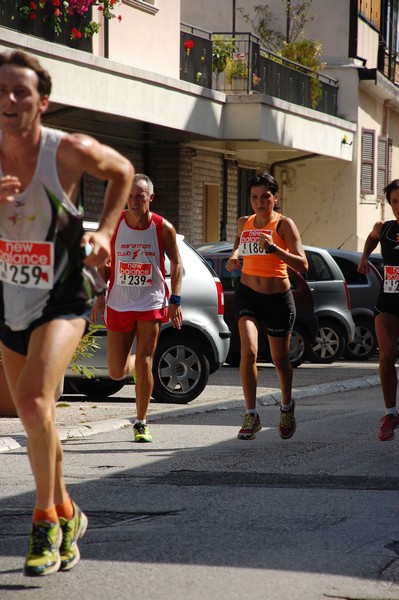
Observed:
{"x":219,"y":289}
{"x":348,"y":298}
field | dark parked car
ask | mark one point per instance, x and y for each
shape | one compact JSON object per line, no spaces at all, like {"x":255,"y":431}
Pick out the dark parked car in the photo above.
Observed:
{"x":363,"y":292}
{"x":330,"y":298}
{"x":378,"y":262}
{"x":305,"y":327}
{"x":183,"y":359}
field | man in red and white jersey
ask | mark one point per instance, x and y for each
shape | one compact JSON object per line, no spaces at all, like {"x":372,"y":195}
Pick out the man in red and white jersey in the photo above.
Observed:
{"x":138,"y":301}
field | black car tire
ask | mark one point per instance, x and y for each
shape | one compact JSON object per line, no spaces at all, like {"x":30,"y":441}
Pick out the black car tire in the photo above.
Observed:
{"x":97,"y":386}
{"x":181,"y":369}
{"x":364,"y":344}
{"x":299,"y":346}
{"x":329,"y":343}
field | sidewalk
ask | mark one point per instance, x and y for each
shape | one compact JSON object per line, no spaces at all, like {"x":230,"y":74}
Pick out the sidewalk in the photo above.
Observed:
{"x":77,"y":416}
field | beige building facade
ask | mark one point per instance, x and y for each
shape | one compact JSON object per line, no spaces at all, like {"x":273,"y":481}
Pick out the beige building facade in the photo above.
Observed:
{"x":335,"y":201}
{"x":200,"y":145}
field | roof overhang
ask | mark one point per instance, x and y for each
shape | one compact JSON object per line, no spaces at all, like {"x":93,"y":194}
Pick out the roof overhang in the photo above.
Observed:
{"x":379,"y":86}
{"x":117,"y":94}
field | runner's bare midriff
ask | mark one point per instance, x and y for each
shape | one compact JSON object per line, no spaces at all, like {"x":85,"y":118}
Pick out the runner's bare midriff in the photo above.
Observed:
{"x":266,"y":285}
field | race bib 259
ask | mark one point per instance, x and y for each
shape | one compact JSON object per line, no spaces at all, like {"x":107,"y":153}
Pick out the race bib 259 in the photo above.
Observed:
{"x":27,"y":264}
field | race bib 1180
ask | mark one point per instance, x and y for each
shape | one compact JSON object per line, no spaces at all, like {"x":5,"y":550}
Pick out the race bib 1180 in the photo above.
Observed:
{"x":27,"y":264}
{"x":391,"y":280}
{"x":249,"y":242}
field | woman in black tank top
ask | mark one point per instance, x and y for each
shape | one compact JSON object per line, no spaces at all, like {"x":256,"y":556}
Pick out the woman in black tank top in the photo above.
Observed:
{"x":387,"y":307}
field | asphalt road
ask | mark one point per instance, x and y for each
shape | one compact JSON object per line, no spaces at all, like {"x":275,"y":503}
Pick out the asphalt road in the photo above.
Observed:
{"x":199,"y":514}
{"x":78,"y":415}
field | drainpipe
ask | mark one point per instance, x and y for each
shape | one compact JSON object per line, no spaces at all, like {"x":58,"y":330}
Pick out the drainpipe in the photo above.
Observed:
{"x":223,"y":222}
{"x":105,"y":25}
{"x":385,"y":130}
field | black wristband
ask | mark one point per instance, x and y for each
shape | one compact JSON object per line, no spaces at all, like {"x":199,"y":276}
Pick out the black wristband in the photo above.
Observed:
{"x":175,"y":299}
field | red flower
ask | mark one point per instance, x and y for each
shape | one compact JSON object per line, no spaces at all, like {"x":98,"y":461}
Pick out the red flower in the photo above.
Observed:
{"x":189,"y":44}
{"x":32,"y":16}
{"x":57,"y":12}
{"x":75,"y":34}
{"x":100,"y":8}
{"x":120,"y":18}
{"x":33,"y":5}
{"x":56,"y":2}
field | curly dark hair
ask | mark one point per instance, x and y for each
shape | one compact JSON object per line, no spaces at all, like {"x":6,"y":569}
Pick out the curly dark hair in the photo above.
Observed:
{"x":21,"y":59}
{"x":264,"y":179}
{"x":393,"y":185}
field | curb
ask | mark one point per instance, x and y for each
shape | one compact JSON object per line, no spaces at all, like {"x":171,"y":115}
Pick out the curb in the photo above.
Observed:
{"x":80,"y":431}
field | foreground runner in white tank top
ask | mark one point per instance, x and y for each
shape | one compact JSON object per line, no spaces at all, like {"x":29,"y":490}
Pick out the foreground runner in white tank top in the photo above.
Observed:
{"x":44,"y":293}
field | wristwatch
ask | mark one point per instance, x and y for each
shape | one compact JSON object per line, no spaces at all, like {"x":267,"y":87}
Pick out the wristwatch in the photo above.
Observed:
{"x":272,"y":248}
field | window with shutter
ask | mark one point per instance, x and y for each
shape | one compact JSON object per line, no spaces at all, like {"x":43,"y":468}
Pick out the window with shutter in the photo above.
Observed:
{"x":367,"y":169}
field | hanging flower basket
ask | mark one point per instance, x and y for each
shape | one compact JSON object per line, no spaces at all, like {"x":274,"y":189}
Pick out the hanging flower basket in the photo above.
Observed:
{"x":69,"y":15}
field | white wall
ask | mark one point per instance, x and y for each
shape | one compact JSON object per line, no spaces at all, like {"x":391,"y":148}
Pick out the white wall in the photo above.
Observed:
{"x":318,"y":197}
{"x":146,"y":40}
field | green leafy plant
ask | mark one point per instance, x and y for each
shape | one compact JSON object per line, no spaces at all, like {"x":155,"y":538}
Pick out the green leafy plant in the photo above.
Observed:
{"x":85,"y":349}
{"x":222,"y":50}
{"x":237,"y":67}
{"x":307,"y":53}
{"x":286,"y":43}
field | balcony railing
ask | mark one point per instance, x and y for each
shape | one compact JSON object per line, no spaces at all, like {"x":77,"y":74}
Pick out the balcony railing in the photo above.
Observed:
{"x":43,"y":27}
{"x":254,"y":70}
{"x":196,"y":56}
{"x":388,"y":64}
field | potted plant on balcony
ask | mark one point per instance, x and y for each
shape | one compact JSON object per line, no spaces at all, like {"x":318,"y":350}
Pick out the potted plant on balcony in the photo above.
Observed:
{"x":222,"y":51}
{"x":237,"y":72}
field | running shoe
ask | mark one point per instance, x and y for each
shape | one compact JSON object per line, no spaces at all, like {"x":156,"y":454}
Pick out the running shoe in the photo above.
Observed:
{"x":72,"y":531}
{"x":141,"y":432}
{"x":250,"y":427}
{"x":388,"y":424}
{"x":43,"y":557}
{"x":287,"y":425}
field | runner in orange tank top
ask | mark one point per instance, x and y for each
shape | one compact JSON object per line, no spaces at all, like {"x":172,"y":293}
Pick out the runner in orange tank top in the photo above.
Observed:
{"x":268,"y":243}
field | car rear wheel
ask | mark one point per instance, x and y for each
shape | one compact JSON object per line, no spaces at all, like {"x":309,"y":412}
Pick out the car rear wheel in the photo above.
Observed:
{"x":364,"y":344}
{"x":329,"y":343}
{"x":299,"y":347}
{"x":181,"y":369}
{"x":97,"y":386}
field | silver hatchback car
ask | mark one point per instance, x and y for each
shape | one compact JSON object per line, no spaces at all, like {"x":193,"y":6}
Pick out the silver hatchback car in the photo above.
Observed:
{"x":183,"y":359}
{"x":332,"y":306}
